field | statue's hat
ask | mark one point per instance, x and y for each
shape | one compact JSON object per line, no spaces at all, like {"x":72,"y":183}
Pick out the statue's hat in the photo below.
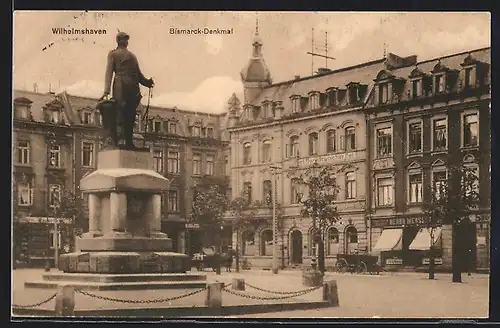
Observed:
{"x":122,"y":36}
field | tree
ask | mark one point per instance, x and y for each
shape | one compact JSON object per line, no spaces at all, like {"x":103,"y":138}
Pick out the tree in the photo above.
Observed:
{"x":241,"y":208}
{"x":320,"y":205}
{"x":209,"y":205}
{"x":73,"y":205}
{"x":453,"y":202}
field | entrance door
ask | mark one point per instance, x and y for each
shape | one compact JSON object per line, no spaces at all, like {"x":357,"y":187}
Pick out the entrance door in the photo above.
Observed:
{"x":296,"y":247}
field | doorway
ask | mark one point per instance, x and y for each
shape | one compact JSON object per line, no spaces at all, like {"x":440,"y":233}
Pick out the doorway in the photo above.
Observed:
{"x":468,"y":248}
{"x":296,"y":247}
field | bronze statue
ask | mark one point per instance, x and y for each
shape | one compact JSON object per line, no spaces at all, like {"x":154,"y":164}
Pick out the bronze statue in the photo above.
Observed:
{"x":119,"y":112}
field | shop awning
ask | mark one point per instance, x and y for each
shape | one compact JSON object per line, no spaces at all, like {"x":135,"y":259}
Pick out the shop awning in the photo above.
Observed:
{"x":389,"y":240}
{"x":422,"y":241}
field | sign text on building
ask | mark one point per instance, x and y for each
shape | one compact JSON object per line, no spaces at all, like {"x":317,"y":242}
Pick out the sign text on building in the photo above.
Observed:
{"x":401,"y":221}
{"x":328,"y":159}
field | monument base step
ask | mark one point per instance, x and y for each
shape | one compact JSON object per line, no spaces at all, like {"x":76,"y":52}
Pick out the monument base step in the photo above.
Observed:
{"x":116,"y":278}
{"x":138,"y":285}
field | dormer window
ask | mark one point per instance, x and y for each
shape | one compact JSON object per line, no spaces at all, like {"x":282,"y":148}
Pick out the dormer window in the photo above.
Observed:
{"x":210,"y":132}
{"x":332,"y":96}
{"x":383,"y":93}
{"x":22,"y":108}
{"x":295,"y":104}
{"x":439,"y":83}
{"x":352,"y":90}
{"x":87,"y":117}
{"x":416,"y":88}
{"x":266,"y":109}
{"x":196,"y":132}
{"x":469,"y":77}
{"x":54,"y":116}
{"x":157,"y":126}
{"x":314,"y":100}
{"x":172,"y":128}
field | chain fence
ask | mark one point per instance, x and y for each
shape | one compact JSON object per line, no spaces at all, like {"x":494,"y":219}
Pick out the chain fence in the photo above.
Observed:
{"x":158,"y":300}
{"x":272,"y":298}
{"x":281,"y":293}
{"x":36,"y":304}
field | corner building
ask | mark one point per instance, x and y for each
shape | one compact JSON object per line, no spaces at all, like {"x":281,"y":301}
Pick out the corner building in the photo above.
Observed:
{"x":422,"y":119}
{"x":294,"y":124}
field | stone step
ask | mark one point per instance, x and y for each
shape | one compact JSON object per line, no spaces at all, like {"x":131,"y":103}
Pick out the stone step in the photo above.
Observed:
{"x":117,"y":286}
{"x":140,"y":277}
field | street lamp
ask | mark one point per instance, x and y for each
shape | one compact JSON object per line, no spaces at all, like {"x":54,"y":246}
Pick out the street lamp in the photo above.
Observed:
{"x":275,"y":265}
{"x":314,"y":171}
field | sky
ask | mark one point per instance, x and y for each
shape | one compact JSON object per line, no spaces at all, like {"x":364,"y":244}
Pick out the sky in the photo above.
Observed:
{"x":201,"y":72}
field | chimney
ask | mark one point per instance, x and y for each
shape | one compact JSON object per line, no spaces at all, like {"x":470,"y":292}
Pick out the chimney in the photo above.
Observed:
{"x":296,"y":77}
{"x":394,"y":61}
{"x":323,"y":70}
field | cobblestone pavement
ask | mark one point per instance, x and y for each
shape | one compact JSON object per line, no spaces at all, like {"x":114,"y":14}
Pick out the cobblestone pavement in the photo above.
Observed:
{"x":389,"y":295}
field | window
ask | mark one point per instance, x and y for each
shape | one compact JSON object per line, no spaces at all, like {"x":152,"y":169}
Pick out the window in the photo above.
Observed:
{"x":266,"y":151}
{"x":440,"y":134}
{"x":247,"y":153}
{"x":54,"y":116}
{"x":210,"y":132}
{"x":295,"y":105}
{"x":383,"y":95}
{"x":314,"y":101}
{"x":313,"y":143}
{"x":439,"y":183}
{"x":468,"y":80}
{"x":24,"y":194}
{"x":353,"y":94}
{"x":416,"y":88}
{"x":439,"y":83}
{"x":173,"y":201}
{"x":350,"y":191}
{"x":268,"y":192}
{"x":296,"y":194}
{"x":352,"y":235}
{"x":415,"y":137}
{"x":172,"y":128}
{"x":415,"y":188}
{"x":87,"y":117}
{"x":173,"y":162}
{"x":472,"y":188}
{"x":23,"y":152}
{"x":266,"y":243}
{"x":196,"y":131}
{"x":22,"y":111}
{"x":385,"y":191}
{"x":88,"y":154}
{"x":330,"y":141}
{"x":384,"y":142}
{"x":156,"y":126}
{"x":350,"y":138}
{"x":158,"y":160}
{"x":247,"y":191}
{"x":196,"y":164}
{"x":471,"y":131}
{"x":210,"y":165}
{"x":248,"y":243}
{"x":333,"y":241}
{"x":294,"y":146}
{"x":55,"y":156}
{"x":54,"y":195}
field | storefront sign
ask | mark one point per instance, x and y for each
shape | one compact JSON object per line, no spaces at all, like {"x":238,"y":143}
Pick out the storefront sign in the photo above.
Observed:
{"x":327,"y":159}
{"x":192,"y":226}
{"x":31,"y":219}
{"x":394,"y":261}
{"x":437,"y":261}
{"x":396,"y":222}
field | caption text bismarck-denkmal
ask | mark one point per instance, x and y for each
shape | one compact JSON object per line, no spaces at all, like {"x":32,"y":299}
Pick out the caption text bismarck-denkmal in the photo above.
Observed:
{"x":201,"y":31}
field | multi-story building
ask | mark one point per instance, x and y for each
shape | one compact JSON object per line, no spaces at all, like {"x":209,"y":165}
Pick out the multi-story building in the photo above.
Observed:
{"x":294,"y":124}
{"x":423,"y":119}
{"x":55,"y":143}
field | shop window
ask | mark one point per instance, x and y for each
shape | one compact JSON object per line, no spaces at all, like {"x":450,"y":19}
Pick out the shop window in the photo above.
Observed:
{"x":333,"y":241}
{"x":248,"y":243}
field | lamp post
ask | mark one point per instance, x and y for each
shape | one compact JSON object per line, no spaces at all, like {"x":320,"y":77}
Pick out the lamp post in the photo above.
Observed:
{"x":218,"y":252}
{"x":313,"y":170}
{"x":275,"y":265}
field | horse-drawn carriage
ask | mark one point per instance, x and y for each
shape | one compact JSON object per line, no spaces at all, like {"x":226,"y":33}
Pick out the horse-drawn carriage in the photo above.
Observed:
{"x":207,"y":258}
{"x":357,"y":263}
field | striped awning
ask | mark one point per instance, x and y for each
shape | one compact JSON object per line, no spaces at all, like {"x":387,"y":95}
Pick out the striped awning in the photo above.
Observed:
{"x":422,"y":240}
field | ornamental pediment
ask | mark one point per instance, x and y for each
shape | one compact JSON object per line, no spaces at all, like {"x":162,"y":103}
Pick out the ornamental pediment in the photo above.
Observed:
{"x":383,"y":164}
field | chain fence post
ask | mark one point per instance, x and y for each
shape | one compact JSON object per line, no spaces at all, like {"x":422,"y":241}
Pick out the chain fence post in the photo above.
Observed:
{"x":238,"y":284}
{"x":65,"y":302}
{"x":330,"y":293}
{"x":214,"y":295}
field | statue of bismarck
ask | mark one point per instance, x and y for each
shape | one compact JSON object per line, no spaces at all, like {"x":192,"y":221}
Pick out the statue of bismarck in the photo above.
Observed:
{"x":119,"y":112}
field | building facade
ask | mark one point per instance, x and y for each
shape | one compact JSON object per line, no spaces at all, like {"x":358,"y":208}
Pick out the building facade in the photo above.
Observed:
{"x":292,"y":125}
{"x":423,"y":119}
{"x":55,"y":143}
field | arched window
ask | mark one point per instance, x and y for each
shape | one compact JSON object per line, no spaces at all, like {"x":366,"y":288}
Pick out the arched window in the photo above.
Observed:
{"x":247,"y":153}
{"x":266,"y":151}
{"x":313,"y":143}
{"x":352,"y":235}
{"x":268,"y":192}
{"x":247,"y":191}
{"x":311,"y":248}
{"x":266,"y":242}
{"x":248,"y":243}
{"x":330,"y":141}
{"x":332,"y":241}
{"x":293,"y":147}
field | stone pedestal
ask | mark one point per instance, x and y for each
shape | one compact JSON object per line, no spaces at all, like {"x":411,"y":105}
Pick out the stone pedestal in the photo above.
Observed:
{"x":124,"y":219}
{"x":312,"y":277}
